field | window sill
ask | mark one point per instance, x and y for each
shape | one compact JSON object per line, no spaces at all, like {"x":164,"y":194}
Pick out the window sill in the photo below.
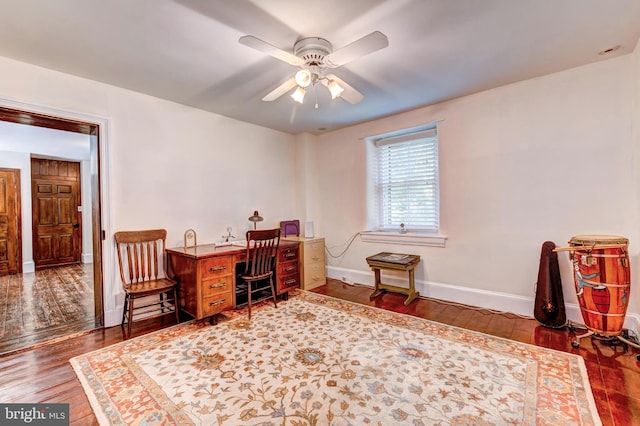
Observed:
{"x":410,"y":238}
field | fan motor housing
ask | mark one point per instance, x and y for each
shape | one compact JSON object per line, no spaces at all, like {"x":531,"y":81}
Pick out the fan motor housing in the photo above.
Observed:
{"x":312,"y":50}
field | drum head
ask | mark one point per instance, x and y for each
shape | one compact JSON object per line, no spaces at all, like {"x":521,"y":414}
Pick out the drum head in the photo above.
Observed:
{"x":591,"y":240}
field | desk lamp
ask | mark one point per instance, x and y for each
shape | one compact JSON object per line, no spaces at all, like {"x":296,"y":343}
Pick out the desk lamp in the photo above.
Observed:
{"x":255,"y":219}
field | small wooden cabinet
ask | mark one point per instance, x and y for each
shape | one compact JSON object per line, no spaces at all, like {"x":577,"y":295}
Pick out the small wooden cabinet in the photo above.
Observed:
{"x":207,"y":275}
{"x":312,"y":256}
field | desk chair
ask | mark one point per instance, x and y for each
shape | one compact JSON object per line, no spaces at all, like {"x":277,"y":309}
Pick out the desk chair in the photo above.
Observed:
{"x":262,"y":249}
{"x":140,"y":255}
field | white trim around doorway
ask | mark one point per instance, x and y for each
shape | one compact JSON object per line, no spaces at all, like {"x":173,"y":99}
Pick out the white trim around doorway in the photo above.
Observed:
{"x":109,"y":292}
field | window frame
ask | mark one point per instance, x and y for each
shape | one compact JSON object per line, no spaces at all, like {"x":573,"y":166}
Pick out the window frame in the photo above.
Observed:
{"x":413,"y":235}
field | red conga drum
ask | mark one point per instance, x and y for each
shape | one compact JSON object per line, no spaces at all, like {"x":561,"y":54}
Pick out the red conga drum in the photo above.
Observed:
{"x":602,"y":280}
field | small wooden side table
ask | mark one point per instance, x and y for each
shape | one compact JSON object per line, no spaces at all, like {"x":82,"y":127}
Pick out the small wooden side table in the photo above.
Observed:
{"x":398,"y":262}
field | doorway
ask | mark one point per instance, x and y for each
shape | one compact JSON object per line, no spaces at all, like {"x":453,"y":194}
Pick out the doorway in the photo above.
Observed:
{"x":66,"y":249}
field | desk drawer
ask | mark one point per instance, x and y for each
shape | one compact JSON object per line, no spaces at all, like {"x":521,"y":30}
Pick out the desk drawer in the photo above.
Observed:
{"x":314,"y":275}
{"x":288,"y":254}
{"x":314,"y":252}
{"x":287,"y":268}
{"x":217,"y":303}
{"x":287,"y":282}
{"x":216,"y":266}
{"x":217,"y":285}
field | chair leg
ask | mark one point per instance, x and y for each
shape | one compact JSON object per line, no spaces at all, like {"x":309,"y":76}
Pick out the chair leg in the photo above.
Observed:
{"x":175,"y":304}
{"x":273,"y":292}
{"x":249,"y":296}
{"x":131,"y":307}
{"x":124,"y":310}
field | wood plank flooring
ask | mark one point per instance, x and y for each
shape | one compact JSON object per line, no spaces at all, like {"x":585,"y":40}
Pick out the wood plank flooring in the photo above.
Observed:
{"x":46,"y":305}
{"x":44,"y":374}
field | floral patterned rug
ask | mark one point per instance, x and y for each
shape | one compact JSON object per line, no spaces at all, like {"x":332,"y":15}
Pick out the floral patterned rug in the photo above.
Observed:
{"x":316,"y":360}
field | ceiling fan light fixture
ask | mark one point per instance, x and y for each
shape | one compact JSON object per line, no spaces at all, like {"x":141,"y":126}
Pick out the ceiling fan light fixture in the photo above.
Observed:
{"x":335,"y":89}
{"x":298,"y":95}
{"x":303,"y":78}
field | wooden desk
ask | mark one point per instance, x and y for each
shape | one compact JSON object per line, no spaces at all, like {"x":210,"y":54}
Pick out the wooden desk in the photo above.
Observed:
{"x":394,"y":261}
{"x":207,"y":275}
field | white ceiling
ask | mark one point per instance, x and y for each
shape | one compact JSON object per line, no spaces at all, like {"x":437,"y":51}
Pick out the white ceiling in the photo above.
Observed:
{"x":187,"y":51}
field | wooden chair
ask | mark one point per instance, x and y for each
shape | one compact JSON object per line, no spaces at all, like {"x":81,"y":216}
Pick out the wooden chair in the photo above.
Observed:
{"x":262,"y":249}
{"x":140,"y":255}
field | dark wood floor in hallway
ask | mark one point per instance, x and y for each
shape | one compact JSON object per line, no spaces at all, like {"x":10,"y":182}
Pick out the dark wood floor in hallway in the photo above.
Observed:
{"x":49,"y":304}
{"x":45,"y":375}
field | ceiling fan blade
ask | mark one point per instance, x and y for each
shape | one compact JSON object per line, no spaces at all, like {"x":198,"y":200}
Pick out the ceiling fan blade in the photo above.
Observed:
{"x":350,"y":94}
{"x":269,"y":49}
{"x":361,"y":47}
{"x":280,"y":90}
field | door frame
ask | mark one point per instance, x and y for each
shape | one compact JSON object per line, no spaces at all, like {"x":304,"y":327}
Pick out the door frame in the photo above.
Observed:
{"x":98,"y":130}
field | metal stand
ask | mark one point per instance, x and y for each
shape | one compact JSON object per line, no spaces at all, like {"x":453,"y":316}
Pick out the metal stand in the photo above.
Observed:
{"x":623,"y":337}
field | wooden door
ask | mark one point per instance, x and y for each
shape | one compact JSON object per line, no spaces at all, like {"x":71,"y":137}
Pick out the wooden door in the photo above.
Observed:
{"x":10,"y":220}
{"x":57,"y":223}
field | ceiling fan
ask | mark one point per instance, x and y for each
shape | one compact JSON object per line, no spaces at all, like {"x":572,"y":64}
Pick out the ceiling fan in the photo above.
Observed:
{"x":315,"y":57}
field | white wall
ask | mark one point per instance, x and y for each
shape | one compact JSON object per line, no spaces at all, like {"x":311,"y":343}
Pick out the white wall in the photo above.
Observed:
{"x":170,"y":165}
{"x":544,"y":159}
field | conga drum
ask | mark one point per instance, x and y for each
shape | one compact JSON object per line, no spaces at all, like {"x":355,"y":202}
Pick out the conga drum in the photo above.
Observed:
{"x":602,"y":280}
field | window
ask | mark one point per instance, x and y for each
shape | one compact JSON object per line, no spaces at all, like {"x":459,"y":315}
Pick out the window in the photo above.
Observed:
{"x":404,"y":183}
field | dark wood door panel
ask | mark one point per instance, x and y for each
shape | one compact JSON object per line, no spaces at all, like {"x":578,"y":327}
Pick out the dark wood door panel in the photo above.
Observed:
{"x":56,"y":220}
{"x":10,"y":235}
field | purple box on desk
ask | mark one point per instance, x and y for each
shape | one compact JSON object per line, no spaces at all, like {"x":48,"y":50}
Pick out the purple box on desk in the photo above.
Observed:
{"x":290,"y":227}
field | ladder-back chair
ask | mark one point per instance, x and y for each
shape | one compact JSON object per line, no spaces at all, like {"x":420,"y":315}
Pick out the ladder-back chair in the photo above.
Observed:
{"x":262,"y":249}
{"x":142,"y":263}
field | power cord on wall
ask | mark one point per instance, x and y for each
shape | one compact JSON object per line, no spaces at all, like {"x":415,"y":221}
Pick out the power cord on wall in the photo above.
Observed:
{"x":348,"y":243}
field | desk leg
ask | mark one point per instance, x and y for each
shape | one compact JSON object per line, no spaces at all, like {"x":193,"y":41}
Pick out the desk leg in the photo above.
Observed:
{"x":412,"y":288}
{"x":376,"y":290}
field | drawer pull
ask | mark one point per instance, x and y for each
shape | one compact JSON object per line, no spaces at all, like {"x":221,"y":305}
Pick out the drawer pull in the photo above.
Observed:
{"x":290,"y":282}
{"x":217,"y":285}
{"x":217,"y":268}
{"x":289,"y":255}
{"x":218,"y":302}
{"x":290,"y":268}
{"x":315,"y":258}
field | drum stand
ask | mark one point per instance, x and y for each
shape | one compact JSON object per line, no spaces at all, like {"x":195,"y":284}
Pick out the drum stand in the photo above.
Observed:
{"x":609,"y":340}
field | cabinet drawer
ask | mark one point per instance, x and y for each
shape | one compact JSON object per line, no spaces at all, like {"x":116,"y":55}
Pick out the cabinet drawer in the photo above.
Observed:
{"x":217,"y":303}
{"x":314,"y":275}
{"x":314,"y":252}
{"x":216,"y":266}
{"x":288,"y":281}
{"x":287,"y":268}
{"x":216,"y":285}
{"x":288,"y":254}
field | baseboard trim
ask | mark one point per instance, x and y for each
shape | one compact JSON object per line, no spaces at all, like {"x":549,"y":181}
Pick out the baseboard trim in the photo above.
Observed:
{"x":28,"y":267}
{"x":113,"y":318}
{"x":503,"y":302}
{"x":87,"y":257}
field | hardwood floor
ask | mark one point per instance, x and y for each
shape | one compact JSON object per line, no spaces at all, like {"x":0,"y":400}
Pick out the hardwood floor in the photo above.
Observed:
{"x":49,"y":304}
{"x":44,"y":374}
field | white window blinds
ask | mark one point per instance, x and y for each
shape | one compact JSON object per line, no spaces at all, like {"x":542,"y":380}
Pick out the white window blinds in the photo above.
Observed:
{"x":407,"y":181}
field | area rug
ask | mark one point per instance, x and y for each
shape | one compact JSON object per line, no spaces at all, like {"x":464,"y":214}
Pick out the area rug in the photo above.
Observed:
{"x":316,"y":360}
